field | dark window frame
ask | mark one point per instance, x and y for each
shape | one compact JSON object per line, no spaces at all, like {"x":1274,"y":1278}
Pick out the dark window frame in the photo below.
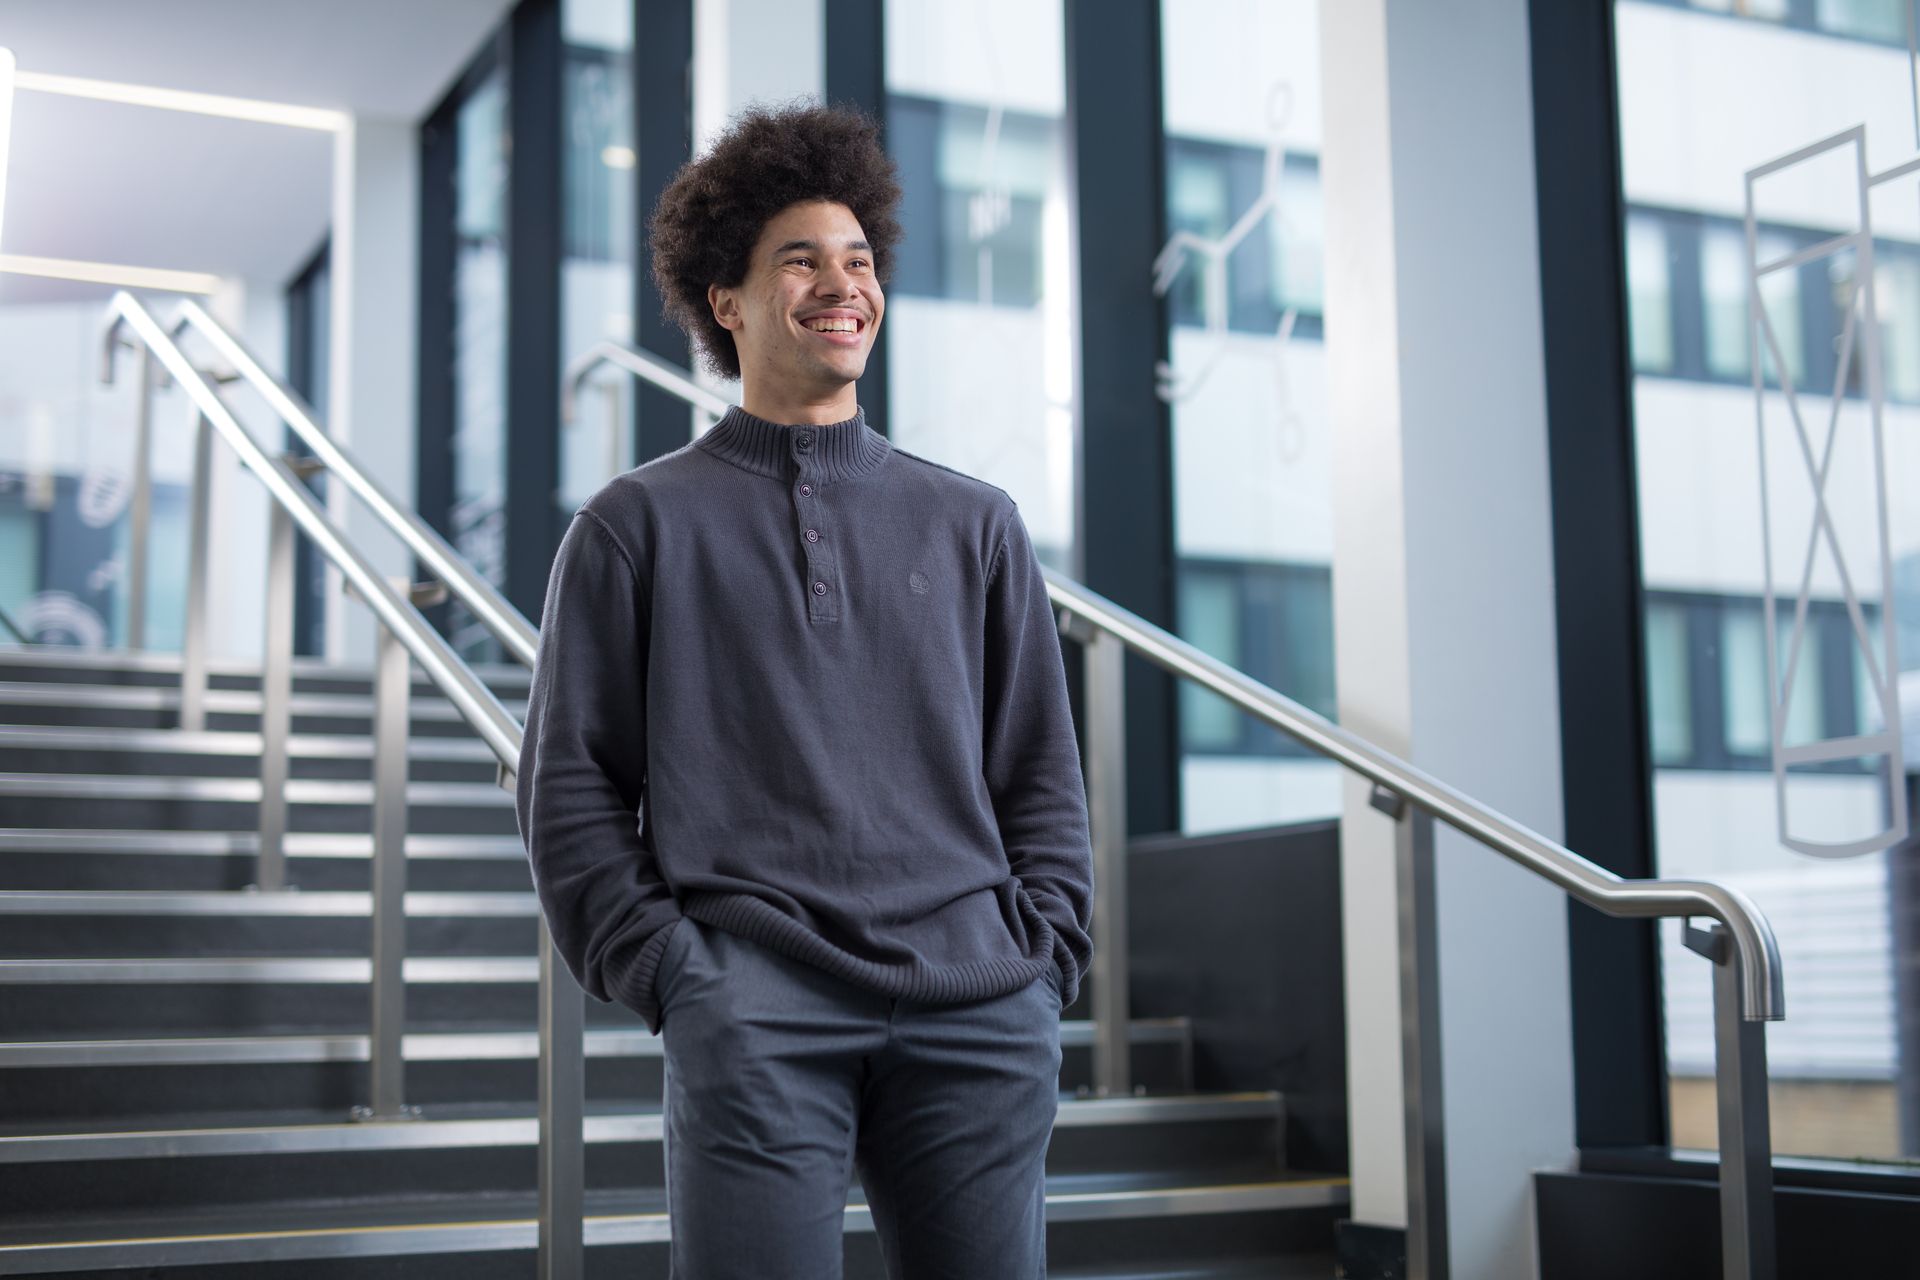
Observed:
{"x":304,"y":374}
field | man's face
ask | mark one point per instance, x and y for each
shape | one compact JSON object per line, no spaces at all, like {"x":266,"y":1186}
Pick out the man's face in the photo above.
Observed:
{"x":805,"y":316}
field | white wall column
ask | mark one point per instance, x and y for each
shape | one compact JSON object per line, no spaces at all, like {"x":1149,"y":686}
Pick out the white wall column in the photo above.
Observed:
{"x":1443,"y":589}
{"x":371,"y":385}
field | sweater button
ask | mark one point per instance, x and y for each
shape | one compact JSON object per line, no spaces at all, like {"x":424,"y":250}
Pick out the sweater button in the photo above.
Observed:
{"x":806,"y":440}
{"x":813,"y":535}
{"x":806,"y":490}
{"x":819,"y":588}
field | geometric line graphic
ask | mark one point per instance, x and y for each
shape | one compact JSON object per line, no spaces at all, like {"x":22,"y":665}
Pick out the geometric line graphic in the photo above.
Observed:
{"x":1171,"y":261}
{"x":1857,"y":351}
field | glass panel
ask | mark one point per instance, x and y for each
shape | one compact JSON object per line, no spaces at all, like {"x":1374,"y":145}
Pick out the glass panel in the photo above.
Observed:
{"x":1868,"y":19}
{"x":1669,"y":688}
{"x":1723,"y":289}
{"x":1897,"y":298}
{"x":1210,"y":609}
{"x":1774,"y":10}
{"x":1649,"y":295}
{"x":480,"y":349}
{"x":596,"y":269}
{"x":1252,"y":442}
{"x":975,"y":96}
{"x":1727,"y":511}
{"x":1743,"y":682}
{"x":66,"y":477}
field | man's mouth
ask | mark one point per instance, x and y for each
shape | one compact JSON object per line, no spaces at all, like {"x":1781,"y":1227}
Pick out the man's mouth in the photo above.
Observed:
{"x":842,"y":331}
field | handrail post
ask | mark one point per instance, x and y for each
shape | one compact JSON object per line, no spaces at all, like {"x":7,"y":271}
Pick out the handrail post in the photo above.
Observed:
{"x":393,"y":675}
{"x":193,"y":645}
{"x":563,"y":1091}
{"x":1105,"y":709}
{"x":1740,"y":1087}
{"x":140,"y":509}
{"x":1420,"y":1073}
{"x":276,"y":691}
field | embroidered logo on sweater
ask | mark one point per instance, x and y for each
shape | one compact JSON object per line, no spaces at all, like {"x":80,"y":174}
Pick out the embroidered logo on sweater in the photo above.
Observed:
{"x":919,"y":582}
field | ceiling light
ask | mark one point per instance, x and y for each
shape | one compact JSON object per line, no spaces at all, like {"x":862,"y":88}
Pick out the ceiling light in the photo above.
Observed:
{"x":206,"y":104}
{"x":110,"y":273}
{"x":617,"y":157}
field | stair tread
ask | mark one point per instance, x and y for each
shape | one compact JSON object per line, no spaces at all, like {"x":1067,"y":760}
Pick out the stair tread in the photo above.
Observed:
{"x":39,"y":841}
{"x":330,"y":1125}
{"x":504,"y":1040}
{"x":1074,"y":1190}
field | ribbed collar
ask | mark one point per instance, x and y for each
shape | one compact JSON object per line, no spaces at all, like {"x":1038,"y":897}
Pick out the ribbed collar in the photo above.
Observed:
{"x":839,"y":450}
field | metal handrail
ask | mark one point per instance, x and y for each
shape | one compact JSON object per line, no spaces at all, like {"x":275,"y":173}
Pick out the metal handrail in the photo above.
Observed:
{"x":1762,"y":990}
{"x":480,"y":597}
{"x":641,"y":364}
{"x":474,"y":701}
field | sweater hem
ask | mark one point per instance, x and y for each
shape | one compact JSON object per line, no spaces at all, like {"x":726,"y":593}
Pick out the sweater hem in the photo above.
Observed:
{"x":632,"y":983}
{"x":761,"y":922}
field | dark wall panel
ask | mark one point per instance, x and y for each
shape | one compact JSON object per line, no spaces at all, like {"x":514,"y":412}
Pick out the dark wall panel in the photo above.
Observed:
{"x":1241,"y":933}
{"x":1611,"y":1226}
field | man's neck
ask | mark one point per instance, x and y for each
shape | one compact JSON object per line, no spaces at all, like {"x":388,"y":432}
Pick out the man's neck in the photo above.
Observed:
{"x":797,"y":408}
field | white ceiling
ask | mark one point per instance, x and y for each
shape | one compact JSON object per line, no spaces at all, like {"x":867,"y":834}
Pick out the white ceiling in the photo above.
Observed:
{"x":114,"y":183}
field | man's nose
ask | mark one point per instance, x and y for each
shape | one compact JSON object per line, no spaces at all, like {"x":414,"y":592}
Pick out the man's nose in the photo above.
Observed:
{"x":834,"y":280}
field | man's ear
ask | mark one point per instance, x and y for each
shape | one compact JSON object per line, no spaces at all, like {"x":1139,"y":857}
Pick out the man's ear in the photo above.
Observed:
{"x":726,"y":306}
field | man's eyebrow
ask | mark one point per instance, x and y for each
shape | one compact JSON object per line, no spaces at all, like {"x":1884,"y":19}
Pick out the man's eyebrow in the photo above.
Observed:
{"x":814,"y":245}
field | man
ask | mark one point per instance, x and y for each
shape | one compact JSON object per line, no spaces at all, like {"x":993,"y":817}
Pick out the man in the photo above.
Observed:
{"x":823,"y":675}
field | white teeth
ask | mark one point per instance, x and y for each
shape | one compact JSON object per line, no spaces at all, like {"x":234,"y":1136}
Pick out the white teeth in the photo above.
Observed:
{"x":833,"y":326}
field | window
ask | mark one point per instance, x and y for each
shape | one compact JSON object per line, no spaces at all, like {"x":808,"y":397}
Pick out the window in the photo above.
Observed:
{"x":1273,"y":621}
{"x":479,"y":442}
{"x":1649,"y":295}
{"x":976,"y":96}
{"x":1669,"y":686}
{"x":1245,"y":384}
{"x":1703,"y":101}
{"x":1865,"y":19}
{"x":984,"y":176}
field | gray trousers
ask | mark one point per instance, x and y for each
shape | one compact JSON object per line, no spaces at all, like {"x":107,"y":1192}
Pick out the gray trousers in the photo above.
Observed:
{"x":782,"y":1080}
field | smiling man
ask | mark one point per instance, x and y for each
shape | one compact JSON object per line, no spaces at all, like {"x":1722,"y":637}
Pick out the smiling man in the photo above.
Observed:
{"x":800,"y":785}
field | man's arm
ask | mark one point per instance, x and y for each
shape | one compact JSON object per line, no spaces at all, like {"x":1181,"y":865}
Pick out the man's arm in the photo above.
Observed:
{"x":1032,"y":759}
{"x":582,"y":767}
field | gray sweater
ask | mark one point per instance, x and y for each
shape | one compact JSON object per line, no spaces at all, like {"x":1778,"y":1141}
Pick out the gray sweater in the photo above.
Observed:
{"x":806,"y":687}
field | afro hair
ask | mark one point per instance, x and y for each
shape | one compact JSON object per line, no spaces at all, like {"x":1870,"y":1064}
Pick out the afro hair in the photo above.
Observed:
{"x":709,"y":218}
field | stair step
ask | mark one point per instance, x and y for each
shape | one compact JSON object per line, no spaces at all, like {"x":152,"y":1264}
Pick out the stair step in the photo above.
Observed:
{"x":295,"y":903}
{"x":299,"y":844}
{"x":200,"y":803}
{"x":439,"y":1132}
{"x":93,"y":787}
{"x":438,"y":1046}
{"x":55,"y":663}
{"x":355,"y":1233}
{"x":63,"y":749}
{"x":15,"y":695}
{"x":182,"y":1079}
{"x":48,"y":859}
{"x":223,"y":742}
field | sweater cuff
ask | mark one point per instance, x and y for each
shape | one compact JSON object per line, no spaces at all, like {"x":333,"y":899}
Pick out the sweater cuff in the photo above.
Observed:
{"x":629,"y":977}
{"x":1063,"y":961}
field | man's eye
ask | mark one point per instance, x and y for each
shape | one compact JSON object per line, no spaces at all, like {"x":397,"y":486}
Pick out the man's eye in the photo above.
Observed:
{"x":791,"y":261}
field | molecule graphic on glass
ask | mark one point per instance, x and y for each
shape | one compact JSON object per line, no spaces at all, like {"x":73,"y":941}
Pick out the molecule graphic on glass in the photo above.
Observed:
{"x":1214,"y":255}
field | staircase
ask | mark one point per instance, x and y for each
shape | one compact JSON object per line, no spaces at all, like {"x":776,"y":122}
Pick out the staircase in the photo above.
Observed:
{"x":182,"y":1057}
